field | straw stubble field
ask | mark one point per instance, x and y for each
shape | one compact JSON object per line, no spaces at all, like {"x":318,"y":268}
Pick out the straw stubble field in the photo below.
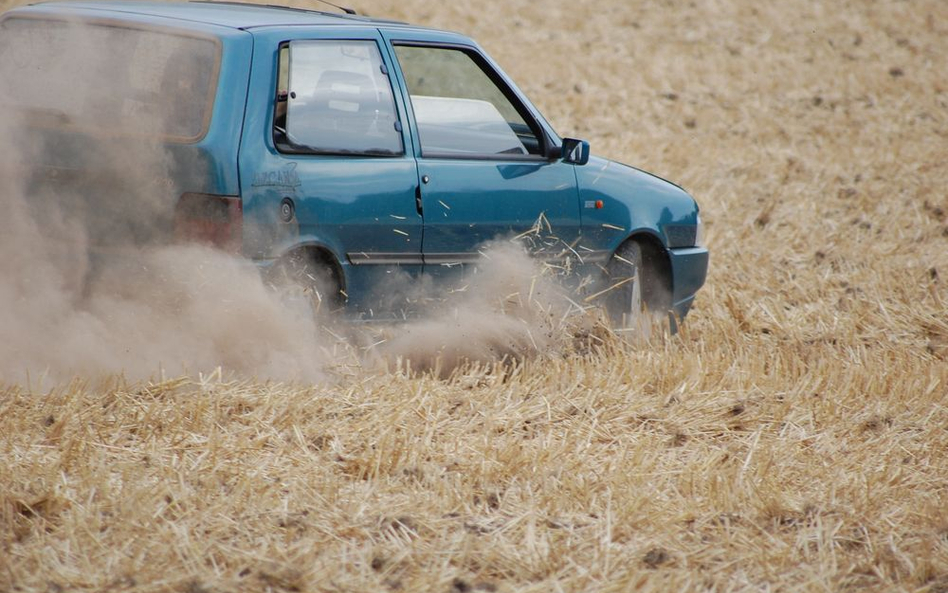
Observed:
{"x":792,"y":437}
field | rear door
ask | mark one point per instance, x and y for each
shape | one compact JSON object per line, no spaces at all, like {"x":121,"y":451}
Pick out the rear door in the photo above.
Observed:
{"x":323,"y":160}
{"x":481,"y":154}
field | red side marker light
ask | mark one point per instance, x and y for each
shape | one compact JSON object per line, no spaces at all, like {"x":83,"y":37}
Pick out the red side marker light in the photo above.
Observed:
{"x":599,"y":204}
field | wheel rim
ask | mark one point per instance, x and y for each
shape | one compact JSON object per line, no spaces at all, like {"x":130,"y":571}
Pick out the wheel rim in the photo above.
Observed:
{"x":633,"y":313}
{"x":626,"y":307}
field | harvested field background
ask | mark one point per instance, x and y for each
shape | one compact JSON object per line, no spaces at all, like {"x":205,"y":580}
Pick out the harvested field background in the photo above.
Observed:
{"x":792,"y":437}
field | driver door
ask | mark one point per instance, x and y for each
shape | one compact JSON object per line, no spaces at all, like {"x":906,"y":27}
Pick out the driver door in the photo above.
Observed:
{"x":483,"y":171}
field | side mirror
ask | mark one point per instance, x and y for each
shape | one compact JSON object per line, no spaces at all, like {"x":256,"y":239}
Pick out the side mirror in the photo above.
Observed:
{"x":575,"y":151}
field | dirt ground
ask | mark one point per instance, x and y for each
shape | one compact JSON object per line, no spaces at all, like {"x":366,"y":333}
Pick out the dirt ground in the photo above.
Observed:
{"x":793,"y":437}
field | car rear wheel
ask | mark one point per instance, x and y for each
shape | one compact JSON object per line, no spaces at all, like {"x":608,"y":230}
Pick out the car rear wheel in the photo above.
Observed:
{"x":302,"y":277}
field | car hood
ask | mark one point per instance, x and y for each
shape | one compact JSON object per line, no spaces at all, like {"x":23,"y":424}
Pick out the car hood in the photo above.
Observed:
{"x":633,"y":178}
{"x":618,"y":200}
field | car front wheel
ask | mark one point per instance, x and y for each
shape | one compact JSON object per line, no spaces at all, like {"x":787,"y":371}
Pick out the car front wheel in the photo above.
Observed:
{"x":624,"y":278}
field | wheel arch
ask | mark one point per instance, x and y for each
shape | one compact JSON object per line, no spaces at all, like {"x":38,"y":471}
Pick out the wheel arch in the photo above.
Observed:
{"x":319,"y":253}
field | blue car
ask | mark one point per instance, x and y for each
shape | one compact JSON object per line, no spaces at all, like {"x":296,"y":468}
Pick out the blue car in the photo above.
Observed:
{"x":333,"y":149}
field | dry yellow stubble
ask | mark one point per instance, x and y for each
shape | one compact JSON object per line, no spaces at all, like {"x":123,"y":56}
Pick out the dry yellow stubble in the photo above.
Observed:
{"x":792,"y":437}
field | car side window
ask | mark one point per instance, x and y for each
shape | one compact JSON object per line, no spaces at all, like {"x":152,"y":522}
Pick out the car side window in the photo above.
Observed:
{"x":335,"y":97}
{"x":460,"y":109}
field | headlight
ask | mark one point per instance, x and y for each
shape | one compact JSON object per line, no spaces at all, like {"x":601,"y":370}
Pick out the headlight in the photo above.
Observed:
{"x":699,"y":233}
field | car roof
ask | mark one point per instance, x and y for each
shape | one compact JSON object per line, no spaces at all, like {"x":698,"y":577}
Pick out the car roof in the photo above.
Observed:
{"x":237,"y":15}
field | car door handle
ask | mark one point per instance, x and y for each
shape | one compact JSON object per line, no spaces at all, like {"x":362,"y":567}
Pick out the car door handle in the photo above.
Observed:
{"x":418,"y":205}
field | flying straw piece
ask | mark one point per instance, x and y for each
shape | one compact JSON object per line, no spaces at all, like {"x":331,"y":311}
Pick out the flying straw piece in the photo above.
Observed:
{"x":592,"y":297}
{"x":371,"y":346}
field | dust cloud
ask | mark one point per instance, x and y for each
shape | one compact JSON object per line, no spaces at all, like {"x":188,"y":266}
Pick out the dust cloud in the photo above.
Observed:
{"x":92,"y":284}
{"x":509,"y":307}
{"x":177,"y":308}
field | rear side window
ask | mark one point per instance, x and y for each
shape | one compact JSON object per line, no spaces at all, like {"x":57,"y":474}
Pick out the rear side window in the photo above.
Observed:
{"x":337,"y":100}
{"x":109,"y":77}
{"x":461,"y":106}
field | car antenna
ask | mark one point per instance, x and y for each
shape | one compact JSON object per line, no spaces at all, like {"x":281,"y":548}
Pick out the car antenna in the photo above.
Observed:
{"x":342,"y":8}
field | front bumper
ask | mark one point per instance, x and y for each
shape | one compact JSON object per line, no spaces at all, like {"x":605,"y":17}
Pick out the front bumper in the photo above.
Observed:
{"x":689,"y":269}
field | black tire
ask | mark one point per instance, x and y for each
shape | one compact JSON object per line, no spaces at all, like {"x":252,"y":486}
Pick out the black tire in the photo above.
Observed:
{"x":624,"y":281}
{"x":300,"y":275}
